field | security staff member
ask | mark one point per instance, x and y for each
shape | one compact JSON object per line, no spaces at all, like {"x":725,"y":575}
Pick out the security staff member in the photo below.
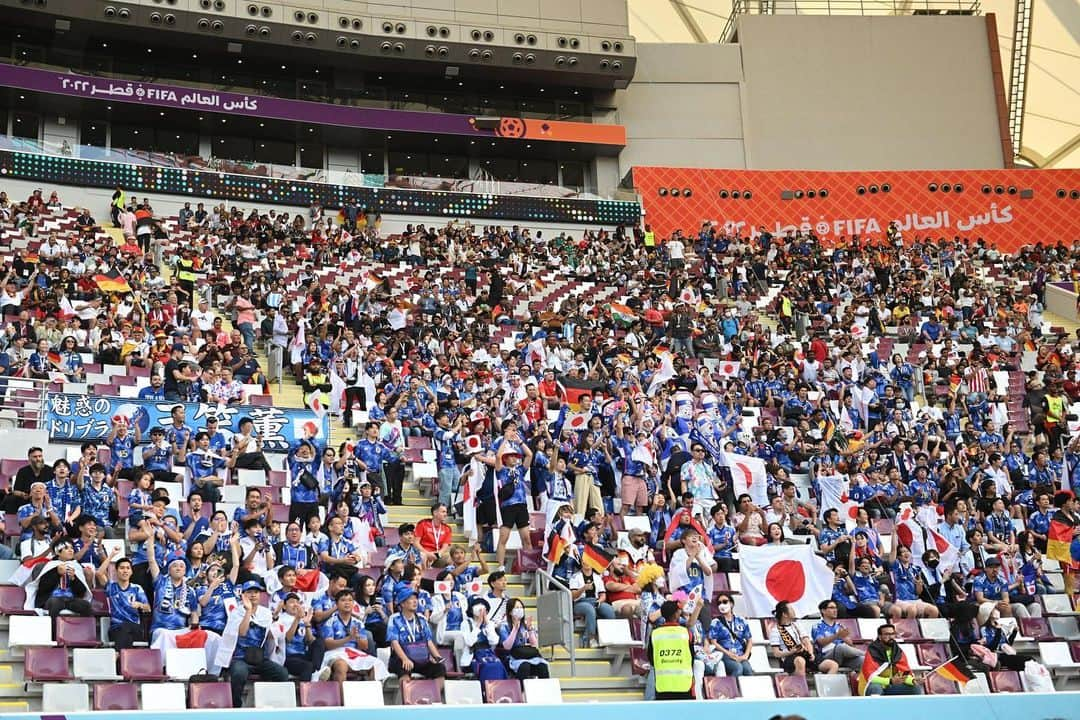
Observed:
{"x":672,"y":656}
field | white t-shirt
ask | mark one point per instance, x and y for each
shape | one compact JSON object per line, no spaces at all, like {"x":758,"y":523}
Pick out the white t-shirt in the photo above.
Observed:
{"x":676,"y":249}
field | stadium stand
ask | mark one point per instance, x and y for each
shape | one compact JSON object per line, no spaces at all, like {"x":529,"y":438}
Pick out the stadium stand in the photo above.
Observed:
{"x":594,"y":384}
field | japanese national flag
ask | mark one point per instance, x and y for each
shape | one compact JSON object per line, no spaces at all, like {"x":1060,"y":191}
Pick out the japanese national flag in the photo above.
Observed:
{"x":728,"y":369}
{"x":444,"y":586}
{"x":577,"y":421}
{"x":476,"y":587}
{"x":920,"y":539}
{"x":749,"y":477}
{"x":794,"y":573}
{"x":230,"y":604}
{"x":317,"y":407}
{"x":834,"y":494}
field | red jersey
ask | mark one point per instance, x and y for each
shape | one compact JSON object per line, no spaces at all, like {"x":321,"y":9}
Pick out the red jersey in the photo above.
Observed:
{"x":431,"y":538}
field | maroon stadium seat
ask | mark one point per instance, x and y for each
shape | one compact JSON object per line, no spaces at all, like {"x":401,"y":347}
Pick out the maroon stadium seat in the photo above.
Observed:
{"x":320,"y":694}
{"x":1037,"y":628}
{"x":46,"y":664}
{"x":937,"y":685}
{"x":907,"y":630}
{"x":501,"y":692}
{"x":1005,"y":681}
{"x":791,"y":686}
{"x":143,"y":664}
{"x":639,"y":661}
{"x":99,"y":602}
{"x":12,"y":598}
{"x":74,"y":631}
{"x":210,"y":696}
{"x":721,"y":688}
{"x":116,"y":696}
{"x":932,"y":654}
{"x":420,"y":692}
{"x":11,"y":525}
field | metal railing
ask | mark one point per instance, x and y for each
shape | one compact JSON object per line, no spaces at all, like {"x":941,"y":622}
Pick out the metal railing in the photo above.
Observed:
{"x":23,"y":402}
{"x":844,"y":7}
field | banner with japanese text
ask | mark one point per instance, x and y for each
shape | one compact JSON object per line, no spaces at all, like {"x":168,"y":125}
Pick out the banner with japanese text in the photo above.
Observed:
{"x":1005,"y":208}
{"x":81,"y":418}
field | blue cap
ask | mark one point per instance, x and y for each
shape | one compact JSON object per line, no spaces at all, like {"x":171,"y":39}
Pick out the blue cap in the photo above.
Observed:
{"x":251,"y":585}
{"x":173,"y":557}
{"x":403,"y":592}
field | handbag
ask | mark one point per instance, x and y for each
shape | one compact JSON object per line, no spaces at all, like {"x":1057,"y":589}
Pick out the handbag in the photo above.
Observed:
{"x":507,"y":491}
{"x":417,"y":652}
{"x":203,"y":677}
{"x":524,"y":652}
{"x":308,"y":480}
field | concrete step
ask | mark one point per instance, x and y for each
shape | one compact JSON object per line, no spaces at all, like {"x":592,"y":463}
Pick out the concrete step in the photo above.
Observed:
{"x":582,"y":668}
{"x":599,"y":683}
{"x":17,"y":706}
{"x":11,"y":690}
{"x":592,"y":696}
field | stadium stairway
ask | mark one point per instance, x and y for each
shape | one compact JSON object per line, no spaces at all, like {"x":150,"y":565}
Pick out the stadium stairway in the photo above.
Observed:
{"x":593,"y":678}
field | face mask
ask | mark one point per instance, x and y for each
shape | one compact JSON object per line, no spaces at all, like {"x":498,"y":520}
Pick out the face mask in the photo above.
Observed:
{"x":932,"y":564}
{"x":518,"y":613}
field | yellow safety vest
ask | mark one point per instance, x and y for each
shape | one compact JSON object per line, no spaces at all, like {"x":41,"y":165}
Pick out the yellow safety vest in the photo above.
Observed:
{"x":120,"y":201}
{"x":673,"y":662}
{"x":650,"y":239}
{"x":1055,"y":409}
{"x":185,"y":270}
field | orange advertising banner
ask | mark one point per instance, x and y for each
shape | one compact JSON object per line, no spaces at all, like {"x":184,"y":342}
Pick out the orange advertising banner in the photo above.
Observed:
{"x":1006,"y":208}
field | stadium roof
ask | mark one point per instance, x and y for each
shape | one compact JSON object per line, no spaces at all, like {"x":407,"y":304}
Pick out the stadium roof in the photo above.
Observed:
{"x":1052,"y":112}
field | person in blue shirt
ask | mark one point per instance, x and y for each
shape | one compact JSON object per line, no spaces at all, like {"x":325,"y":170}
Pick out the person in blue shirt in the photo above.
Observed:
{"x":122,"y":441}
{"x":192,"y":523}
{"x":155,"y":390}
{"x":218,"y":443}
{"x":412,"y":645}
{"x":512,"y":494}
{"x":722,"y":537}
{"x":179,"y":433}
{"x":1038,"y":522}
{"x":175,"y":601}
{"x":303,"y":650}
{"x":158,"y":457}
{"x":304,"y":459}
{"x":372,"y":454}
{"x":64,"y":496}
{"x":990,"y":587}
{"x":207,"y":469}
{"x":39,"y":506}
{"x":251,"y":653}
{"x":516,"y":636}
{"x":98,"y":498}
{"x":219,"y":589}
{"x":445,"y":437}
{"x":348,"y":646}
{"x":730,"y":635}
{"x":127,"y":603}
{"x":831,"y":638}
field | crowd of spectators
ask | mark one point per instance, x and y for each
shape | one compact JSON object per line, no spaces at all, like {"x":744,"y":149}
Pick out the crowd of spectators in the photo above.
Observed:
{"x":607,"y":407}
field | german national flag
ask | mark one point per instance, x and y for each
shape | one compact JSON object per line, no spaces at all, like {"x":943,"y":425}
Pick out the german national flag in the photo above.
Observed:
{"x":955,"y":671}
{"x":112,"y":282}
{"x":1058,"y":539}
{"x":596,"y":558}
{"x":557,"y":546}
{"x":54,"y":358}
